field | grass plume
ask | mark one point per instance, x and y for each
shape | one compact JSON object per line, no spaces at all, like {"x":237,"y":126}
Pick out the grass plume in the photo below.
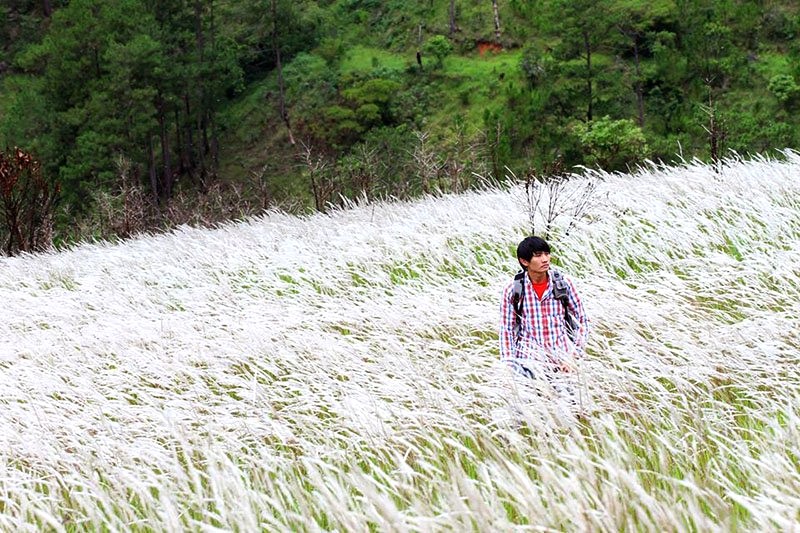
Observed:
{"x":339,"y":371}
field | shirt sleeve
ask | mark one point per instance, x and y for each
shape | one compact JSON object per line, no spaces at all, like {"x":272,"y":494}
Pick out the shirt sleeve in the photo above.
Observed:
{"x":507,"y":340}
{"x":581,"y":319}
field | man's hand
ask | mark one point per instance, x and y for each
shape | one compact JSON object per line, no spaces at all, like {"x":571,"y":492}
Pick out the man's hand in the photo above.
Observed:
{"x":567,"y":365}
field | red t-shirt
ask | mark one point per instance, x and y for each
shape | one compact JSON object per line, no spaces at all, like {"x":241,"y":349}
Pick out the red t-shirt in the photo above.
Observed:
{"x":539,"y":288}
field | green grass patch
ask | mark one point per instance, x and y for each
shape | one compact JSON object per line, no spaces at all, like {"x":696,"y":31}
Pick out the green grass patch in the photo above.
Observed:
{"x":362,"y":59}
{"x":477,"y":82}
{"x":770,"y":64}
{"x":358,"y":280}
{"x":730,"y":248}
{"x":400,"y":273}
{"x":484,"y":67}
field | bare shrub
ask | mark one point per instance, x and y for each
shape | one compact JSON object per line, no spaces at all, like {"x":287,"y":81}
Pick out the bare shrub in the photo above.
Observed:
{"x":555,"y":195}
{"x":427,"y":162}
{"x":120,"y":213}
{"x":464,"y":162}
{"x":27,"y":200}
{"x":362,"y":170}
{"x":258,"y":183}
{"x":456,"y":170}
{"x":131,"y":209}
{"x":220,"y":202}
{"x":316,"y":168}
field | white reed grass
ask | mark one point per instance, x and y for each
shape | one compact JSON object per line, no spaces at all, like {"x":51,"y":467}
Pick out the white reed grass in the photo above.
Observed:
{"x":338,"y":372}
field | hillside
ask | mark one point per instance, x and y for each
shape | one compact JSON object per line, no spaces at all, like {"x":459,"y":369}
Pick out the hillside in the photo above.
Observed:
{"x":208,"y":111}
{"x":338,"y":371}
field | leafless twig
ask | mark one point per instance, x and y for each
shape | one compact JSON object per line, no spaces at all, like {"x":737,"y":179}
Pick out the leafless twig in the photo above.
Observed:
{"x":551,"y":197}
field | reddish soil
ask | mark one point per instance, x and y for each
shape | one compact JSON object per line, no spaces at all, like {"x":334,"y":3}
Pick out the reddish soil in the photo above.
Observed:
{"x":488,"y":46}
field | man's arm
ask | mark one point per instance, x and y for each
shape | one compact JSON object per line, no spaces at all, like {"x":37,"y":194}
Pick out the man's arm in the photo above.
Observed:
{"x":507,"y":337}
{"x":578,"y":313}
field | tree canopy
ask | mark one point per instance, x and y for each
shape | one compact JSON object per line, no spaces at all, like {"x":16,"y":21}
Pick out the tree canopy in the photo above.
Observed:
{"x":186,"y":96}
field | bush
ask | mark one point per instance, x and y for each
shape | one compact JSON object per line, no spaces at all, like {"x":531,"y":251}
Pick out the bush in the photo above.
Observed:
{"x":26,"y":203}
{"x":537,"y":67}
{"x":784,"y":88}
{"x":439,"y":47}
{"x":612,"y":144}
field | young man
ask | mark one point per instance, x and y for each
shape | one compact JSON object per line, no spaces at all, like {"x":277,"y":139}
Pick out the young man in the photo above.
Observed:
{"x":535,"y":337}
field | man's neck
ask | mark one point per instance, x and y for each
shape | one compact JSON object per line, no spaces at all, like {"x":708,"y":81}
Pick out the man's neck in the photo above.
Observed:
{"x":537,"y":277}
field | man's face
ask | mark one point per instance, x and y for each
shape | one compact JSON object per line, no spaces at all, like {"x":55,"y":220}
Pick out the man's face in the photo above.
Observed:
{"x":540,"y":262}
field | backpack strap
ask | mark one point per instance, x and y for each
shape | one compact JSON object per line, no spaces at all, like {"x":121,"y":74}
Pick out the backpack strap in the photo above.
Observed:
{"x":561,"y":293}
{"x":518,"y":294}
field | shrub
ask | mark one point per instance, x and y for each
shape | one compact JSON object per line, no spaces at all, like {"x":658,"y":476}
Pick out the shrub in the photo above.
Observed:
{"x":784,"y":88}
{"x":26,"y":203}
{"x":536,"y":67}
{"x":439,"y":47}
{"x":612,"y":144}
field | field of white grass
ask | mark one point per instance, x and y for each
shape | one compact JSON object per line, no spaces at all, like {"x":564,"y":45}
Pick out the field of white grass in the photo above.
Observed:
{"x":338,"y":372}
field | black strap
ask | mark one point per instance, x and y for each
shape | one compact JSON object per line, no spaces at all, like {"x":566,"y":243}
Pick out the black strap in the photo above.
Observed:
{"x":560,"y":291}
{"x":518,"y":301}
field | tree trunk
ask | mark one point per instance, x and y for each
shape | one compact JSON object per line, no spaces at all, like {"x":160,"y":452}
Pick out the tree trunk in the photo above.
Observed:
{"x":639,"y":91}
{"x":166,"y":160}
{"x":588,"y":49}
{"x":452,"y":14}
{"x":316,"y":192}
{"x":96,"y":60}
{"x":715,"y":132}
{"x":204,"y":149}
{"x":281,"y":89}
{"x":212,"y":124}
{"x":188,"y":141}
{"x":47,"y":8}
{"x":198,"y":28}
{"x":713,"y":136}
{"x":152,"y":170}
{"x":12,"y":226}
{"x":183,"y":167}
{"x":214,"y":144}
{"x":200,"y":45}
{"x":496,"y":21}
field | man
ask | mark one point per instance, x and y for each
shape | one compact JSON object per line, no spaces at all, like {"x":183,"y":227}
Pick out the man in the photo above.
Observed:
{"x":543,"y":326}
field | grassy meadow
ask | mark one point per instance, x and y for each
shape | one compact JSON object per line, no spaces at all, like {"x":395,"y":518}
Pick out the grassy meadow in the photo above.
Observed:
{"x":339,"y":371}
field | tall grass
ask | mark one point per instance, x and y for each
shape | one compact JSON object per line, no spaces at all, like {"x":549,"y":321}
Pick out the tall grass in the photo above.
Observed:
{"x":338,"y":372}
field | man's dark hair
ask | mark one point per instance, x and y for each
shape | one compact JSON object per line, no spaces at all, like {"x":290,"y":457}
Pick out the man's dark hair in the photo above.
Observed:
{"x":531,"y":245}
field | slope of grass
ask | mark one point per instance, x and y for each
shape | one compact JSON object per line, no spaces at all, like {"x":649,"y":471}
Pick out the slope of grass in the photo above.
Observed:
{"x":338,"y":372}
{"x":477,"y":84}
{"x":364,"y":59}
{"x":254,"y":137}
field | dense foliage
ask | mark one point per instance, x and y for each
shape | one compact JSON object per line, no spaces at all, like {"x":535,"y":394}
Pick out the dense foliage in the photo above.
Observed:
{"x":300,"y":103}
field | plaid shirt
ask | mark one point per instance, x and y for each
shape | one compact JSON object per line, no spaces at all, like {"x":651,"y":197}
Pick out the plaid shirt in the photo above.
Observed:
{"x":543,"y":333}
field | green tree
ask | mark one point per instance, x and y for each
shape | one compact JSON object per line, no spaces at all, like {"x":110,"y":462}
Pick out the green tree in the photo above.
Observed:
{"x":83,"y":126}
{"x":338,"y":126}
{"x":612,"y":144}
{"x":131,"y":78}
{"x":377,"y":95}
{"x":784,"y":88}
{"x":638,"y":23}
{"x":584,"y":29}
{"x":439,"y":47}
{"x":22,"y":22}
{"x":537,"y":67}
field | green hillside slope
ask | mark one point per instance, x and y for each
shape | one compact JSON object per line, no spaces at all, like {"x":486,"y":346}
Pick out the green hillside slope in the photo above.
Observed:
{"x":220,"y":108}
